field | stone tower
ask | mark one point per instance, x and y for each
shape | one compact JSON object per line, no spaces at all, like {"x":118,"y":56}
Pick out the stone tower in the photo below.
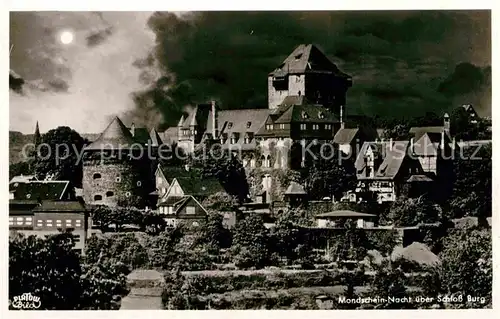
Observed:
{"x":116,"y":169}
{"x":308,"y":72}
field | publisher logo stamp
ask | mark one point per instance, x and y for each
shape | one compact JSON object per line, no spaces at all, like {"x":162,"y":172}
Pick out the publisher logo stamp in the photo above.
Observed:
{"x":26,"y":301}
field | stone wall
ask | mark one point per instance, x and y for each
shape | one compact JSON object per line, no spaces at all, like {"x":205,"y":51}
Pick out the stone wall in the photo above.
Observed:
{"x":119,"y":182}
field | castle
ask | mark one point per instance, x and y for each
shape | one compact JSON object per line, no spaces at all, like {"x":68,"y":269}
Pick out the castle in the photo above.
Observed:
{"x":306,"y":103}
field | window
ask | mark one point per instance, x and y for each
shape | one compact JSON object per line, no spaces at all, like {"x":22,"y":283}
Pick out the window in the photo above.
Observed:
{"x":282,"y":126}
{"x":190,"y":210}
{"x":233,"y":140}
{"x":58,"y":223}
{"x":110,"y":194}
{"x":328,"y":126}
{"x":269,"y":127}
{"x":28,"y":196}
{"x":11,"y":223}
{"x":19,"y":219}
{"x":118,"y":179}
{"x":229,"y":125}
{"x":247,"y":140}
{"x":315,"y":127}
{"x":128,"y":194}
{"x":78,"y":223}
{"x":28,"y":219}
{"x":11,"y":195}
{"x":139,"y":183}
{"x":97,"y":176}
{"x":11,"y":219}
{"x":97,"y":197}
{"x":303,"y":126}
{"x":249,"y":124}
{"x":39,"y":223}
{"x":48,"y":222}
{"x":19,"y":222}
{"x":77,"y":238}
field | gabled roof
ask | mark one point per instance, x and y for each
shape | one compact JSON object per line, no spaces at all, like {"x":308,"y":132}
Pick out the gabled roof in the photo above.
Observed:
{"x":418,"y":132}
{"x":40,"y":190}
{"x":419,"y":178}
{"x":295,"y":189}
{"x":429,"y":144}
{"x":60,"y":206}
{"x":289,"y":101}
{"x":200,"y":187}
{"x":115,"y":136}
{"x":307,"y":58}
{"x":345,"y":135}
{"x":189,"y":200}
{"x":392,"y":159}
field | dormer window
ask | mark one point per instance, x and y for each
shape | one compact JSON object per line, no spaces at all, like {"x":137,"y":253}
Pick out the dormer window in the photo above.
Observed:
{"x":315,"y":127}
{"x":269,"y":127}
{"x":229,"y":125}
{"x":304,"y":115}
{"x":282,"y":126}
{"x":321,"y":115}
{"x":249,"y":124}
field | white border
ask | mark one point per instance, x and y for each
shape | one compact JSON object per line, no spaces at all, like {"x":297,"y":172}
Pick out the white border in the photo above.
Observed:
{"x":187,"y":5}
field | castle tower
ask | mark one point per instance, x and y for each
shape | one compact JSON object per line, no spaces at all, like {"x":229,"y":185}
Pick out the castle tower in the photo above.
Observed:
{"x":308,"y":72}
{"x":116,"y":169}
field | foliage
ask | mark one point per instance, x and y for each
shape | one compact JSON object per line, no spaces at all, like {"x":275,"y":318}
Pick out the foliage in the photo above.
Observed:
{"x":60,"y":155}
{"x":251,"y":243}
{"x":351,"y":243}
{"x":462,"y":128}
{"x":411,"y":212}
{"x":123,"y":248}
{"x":149,"y":221}
{"x":399,"y":132}
{"x":472,"y":190}
{"x":330,"y":176}
{"x":383,"y":241}
{"x":213,"y":233}
{"x":223,"y":165}
{"x":389,"y":281}
{"x":467,"y":264}
{"x":162,"y":248}
{"x":220,"y":201}
{"x":21,"y":168}
{"x":50,"y":269}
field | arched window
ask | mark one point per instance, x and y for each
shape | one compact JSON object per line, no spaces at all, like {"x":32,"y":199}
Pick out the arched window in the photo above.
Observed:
{"x":110,"y":194}
{"x":97,"y":176}
{"x":97,"y":197}
{"x":128,"y":194}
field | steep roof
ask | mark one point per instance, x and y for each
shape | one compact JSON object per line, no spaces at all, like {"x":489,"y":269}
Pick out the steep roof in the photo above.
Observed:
{"x":307,"y":58}
{"x":345,"y":135}
{"x":155,"y":138}
{"x":289,"y":101}
{"x":22,"y":179}
{"x":429,"y":143}
{"x":115,"y":136}
{"x":200,"y":187}
{"x":40,"y":190}
{"x":245,"y":122}
{"x":419,"y":131}
{"x":392,"y":159}
{"x":295,"y":189}
{"x":60,"y":206}
{"x":189,"y":200}
{"x":22,"y":207}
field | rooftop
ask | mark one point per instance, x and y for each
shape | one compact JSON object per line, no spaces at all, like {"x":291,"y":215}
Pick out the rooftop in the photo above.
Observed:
{"x":39,"y":190}
{"x":115,"y":136}
{"x":344,"y":214}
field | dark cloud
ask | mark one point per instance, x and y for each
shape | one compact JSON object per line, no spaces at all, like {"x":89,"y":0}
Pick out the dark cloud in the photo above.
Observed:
{"x":98,"y":37}
{"x":397,"y":59}
{"x":16,"y":82}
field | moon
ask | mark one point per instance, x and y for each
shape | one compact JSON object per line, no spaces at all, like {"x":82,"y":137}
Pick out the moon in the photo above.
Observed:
{"x":66,"y":37}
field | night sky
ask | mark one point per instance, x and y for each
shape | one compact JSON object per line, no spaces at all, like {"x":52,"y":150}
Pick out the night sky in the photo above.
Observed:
{"x":149,"y":67}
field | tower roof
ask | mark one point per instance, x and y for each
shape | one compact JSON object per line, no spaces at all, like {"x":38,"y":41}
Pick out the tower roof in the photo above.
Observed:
{"x":115,"y":136}
{"x":307,"y":58}
{"x":155,"y":138}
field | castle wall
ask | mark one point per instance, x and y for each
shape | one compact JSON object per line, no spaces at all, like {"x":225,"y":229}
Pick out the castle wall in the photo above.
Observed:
{"x":296,"y":85}
{"x":121,"y":182}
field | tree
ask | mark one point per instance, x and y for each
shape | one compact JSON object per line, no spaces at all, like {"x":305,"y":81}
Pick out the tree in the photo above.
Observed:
{"x":59,"y":155}
{"x":105,"y":216}
{"x":389,"y":281}
{"x":399,"y":132}
{"x":250,"y":243}
{"x":467,"y":264}
{"x":213,"y":233}
{"x":351,"y":243}
{"x":330,"y":176}
{"x":50,"y":269}
{"x":21,"y":168}
{"x":411,"y":212}
{"x":472,"y":189}
{"x":223,"y":165}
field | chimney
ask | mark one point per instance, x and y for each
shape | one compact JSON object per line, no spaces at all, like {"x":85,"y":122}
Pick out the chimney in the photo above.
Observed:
{"x":442,"y":140}
{"x":412,"y":145}
{"x":215,"y":129}
{"x":132,"y":129}
{"x":446,"y":123}
{"x":342,"y":124}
